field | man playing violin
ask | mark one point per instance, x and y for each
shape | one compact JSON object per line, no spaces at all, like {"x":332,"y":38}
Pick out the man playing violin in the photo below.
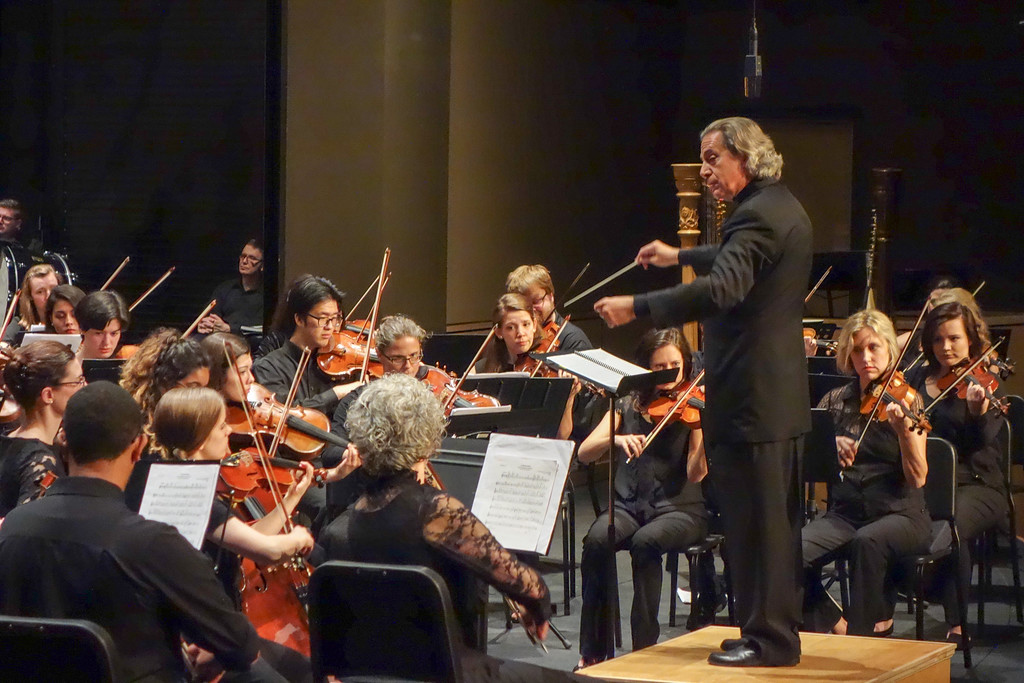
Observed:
{"x":749,"y":294}
{"x":534,"y":283}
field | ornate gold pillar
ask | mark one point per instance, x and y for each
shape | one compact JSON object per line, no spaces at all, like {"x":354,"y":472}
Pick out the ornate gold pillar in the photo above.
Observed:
{"x":688,"y":191}
{"x":884,"y":219}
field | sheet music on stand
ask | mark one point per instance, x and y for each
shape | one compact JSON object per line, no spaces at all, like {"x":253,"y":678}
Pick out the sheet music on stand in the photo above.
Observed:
{"x":606,"y":370}
{"x":181,"y":494}
{"x":520,"y":489}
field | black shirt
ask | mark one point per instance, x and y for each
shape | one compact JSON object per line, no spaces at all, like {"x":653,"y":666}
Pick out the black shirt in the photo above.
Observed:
{"x":79,"y":553}
{"x":23,"y":464}
{"x":236,"y":306}
{"x":572,"y":338}
{"x":276,"y":369}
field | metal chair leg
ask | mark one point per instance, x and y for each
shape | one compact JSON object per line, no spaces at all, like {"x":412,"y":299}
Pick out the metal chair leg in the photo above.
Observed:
{"x":672,"y":567}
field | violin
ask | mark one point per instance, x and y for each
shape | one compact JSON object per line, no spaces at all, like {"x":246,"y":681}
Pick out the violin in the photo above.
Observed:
{"x":898,"y":392}
{"x":305,"y":430}
{"x":1004,"y":366}
{"x":441,"y":384}
{"x":976,"y":375}
{"x":343,"y":361}
{"x":687,"y":412}
{"x":125,"y":351}
{"x":549,"y":343}
{"x":830,"y":345}
{"x":241,"y":476}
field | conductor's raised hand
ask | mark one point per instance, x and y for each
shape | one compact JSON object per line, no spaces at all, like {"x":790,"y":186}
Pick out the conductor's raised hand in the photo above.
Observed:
{"x":659,"y":254}
{"x":616,"y":310}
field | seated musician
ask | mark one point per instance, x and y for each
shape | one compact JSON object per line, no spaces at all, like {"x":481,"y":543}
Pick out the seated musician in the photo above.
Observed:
{"x":102,"y":318}
{"x":938,"y":286}
{"x":877,"y":512}
{"x":240,"y":299}
{"x":518,"y":333}
{"x":60,"y":310}
{"x":310,"y":314}
{"x":79,"y":553}
{"x":39,"y":280}
{"x":954,"y":336}
{"x":395,"y":426}
{"x":41,"y":377}
{"x":658,"y":503}
{"x":189,"y":424}
{"x":534,"y":283}
{"x":165,"y":360}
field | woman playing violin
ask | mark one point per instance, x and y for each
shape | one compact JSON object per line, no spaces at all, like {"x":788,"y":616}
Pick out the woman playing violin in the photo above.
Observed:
{"x":954,"y":335}
{"x":36,"y":286}
{"x":877,"y":513}
{"x":309,"y":315}
{"x":189,"y":424}
{"x":41,"y":377}
{"x":518,"y":332}
{"x":102,"y":317}
{"x":534,"y":283}
{"x":60,"y":310}
{"x":658,"y":501}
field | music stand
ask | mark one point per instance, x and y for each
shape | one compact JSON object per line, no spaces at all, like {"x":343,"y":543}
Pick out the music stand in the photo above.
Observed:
{"x":616,"y":378}
{"x":537,"y":406}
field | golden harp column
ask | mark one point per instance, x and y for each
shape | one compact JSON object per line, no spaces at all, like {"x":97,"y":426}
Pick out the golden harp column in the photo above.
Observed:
{"x":688,"y":192}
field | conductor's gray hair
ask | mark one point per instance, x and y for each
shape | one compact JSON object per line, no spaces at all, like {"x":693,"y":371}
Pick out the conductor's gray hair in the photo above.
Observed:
{"x":394,"y":327}
{"x":395,"y":423}
{"x":745,"y":138}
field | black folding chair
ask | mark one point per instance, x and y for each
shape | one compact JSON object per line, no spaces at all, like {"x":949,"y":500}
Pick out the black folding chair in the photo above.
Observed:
{"x":940,"y":498}
{"x":378,"y":622}
{"x":821,"y":466}
{"x":66,"y":650}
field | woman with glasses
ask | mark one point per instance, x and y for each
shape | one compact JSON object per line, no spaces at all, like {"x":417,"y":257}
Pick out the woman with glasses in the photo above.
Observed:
{"x":309,"y":315}
{"x":41,"y":377}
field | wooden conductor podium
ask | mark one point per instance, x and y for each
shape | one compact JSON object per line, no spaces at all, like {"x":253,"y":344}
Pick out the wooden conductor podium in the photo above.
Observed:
{"x":850,"y":659}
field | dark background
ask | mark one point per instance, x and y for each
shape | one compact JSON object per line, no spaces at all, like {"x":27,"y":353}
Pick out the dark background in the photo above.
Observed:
{"x":151,"y":129}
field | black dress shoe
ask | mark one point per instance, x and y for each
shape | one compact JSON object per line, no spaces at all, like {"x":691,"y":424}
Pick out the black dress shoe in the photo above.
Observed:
{"x":733,"y":643}
{"x":745,"y":656}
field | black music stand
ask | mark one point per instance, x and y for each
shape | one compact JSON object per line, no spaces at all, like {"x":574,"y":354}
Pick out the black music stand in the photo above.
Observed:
{"x":537,"y":406}
{"x":616,"y":378}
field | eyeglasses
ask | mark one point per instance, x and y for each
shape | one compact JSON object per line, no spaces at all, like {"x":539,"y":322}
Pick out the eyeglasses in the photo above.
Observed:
{"x":9,"y":219}
{"x":250,"y":259}
{"x":326,"y":320}
{"x":80,"y":382}
{"x":402,"y":360}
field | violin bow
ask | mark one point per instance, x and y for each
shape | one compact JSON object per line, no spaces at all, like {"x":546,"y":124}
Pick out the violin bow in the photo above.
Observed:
{"x":10,"y":312}
{"x":573,"y":283}
{"x":920,"y":356}
{"x":602,"y":283}
{"x":664,"y":421}
{"x":381,"y":281}
{"x":479,"y":352}
{"x":561,"y":329}
{"x":195,"y":323}
{"x":964,"y":375}
{"x":817,"y":284}
{"x":276,"y":443}
{"x":375,"y":281}
{"x":151,"y":288}
{"x":888,"y":380}
{"x":116,"y":272}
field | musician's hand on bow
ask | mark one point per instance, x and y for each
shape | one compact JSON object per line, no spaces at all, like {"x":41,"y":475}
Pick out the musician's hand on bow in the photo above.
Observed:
{"x":659,"y":254}
{"x":632,"y":444}
{"x":616,"y":310}
{"x":538,"y":628}
{"x":846,"y":450}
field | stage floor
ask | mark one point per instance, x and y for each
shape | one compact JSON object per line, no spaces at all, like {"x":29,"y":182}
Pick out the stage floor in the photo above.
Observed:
{"x":849,"y":659}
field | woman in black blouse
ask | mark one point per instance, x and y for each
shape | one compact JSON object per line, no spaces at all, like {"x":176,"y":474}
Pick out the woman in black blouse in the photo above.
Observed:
{"x":41,"y":377}
{"x":658,"y":502}
{"x":878,"y":512}
{"x":954,"y":335}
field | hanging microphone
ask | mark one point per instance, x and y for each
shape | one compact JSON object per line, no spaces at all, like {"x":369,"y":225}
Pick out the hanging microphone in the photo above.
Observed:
{"x":752,"y":64}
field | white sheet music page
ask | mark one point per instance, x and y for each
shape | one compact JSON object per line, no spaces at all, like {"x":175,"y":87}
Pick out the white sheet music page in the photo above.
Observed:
{"x":181,"y":495}
{"x":520,"y":489}
{"x":597,"y":366}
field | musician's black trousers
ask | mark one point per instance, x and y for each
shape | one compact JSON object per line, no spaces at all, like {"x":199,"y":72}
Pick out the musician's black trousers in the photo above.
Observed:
{"x":757,"y":489}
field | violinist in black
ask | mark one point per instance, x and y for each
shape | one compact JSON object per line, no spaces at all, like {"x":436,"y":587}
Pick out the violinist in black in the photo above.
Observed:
{"x":954,"y":335}
{"x":534,"y":283}
{"x":309,"y":315}
{"x":878,"y":512}
{"x":658,"y":502}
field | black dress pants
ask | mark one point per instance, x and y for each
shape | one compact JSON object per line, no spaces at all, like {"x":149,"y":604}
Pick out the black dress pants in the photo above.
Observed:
{"x":757,"y":487}
{"x":871,"y":547}
{"x":978,"y":509}
{"x":647,"y":539}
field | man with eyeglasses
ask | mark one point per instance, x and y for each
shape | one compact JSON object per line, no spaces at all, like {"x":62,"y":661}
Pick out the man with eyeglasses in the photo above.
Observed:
{"x":240,"y":299}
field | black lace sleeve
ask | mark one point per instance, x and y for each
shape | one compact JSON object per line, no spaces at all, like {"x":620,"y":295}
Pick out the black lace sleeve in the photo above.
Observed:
{"x":457,"y":533}
{"x":33,"y":468}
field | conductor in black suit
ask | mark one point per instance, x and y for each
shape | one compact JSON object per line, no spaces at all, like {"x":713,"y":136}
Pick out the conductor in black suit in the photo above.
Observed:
{"x":749,"y":294}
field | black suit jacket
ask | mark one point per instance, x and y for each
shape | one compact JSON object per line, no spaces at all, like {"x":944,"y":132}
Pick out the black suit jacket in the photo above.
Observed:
{"x":749,"y":293}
